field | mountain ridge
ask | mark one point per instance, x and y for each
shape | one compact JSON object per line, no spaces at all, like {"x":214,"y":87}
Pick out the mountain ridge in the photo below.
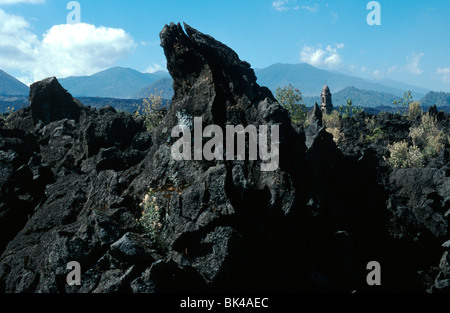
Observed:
{"x":310,"y":80}
{"x":116,"y":82}
{"x":164,"y":85}
{"x":299,"y":75}
{"x":360,"y":97}
{"x":441,"y":99}
{"x":11,"y":86}
{"x":126,"y":83}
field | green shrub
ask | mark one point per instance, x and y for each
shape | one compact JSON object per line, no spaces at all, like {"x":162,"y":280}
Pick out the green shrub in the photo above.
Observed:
{"x":402,"y":156}
{"x":375,"y":132}
{"x":348,"y":110}
{"x":428,"y":137}
{"x":338,"y":135}
{"x":332,"y":123}
{"x":404,"y":102}
{"x":291,"y":99}
{"x":4,"y":117}
{"x":151,"y":110}
{"x":414,"y":110}
{"x":151,"y":215}
{"x":332,"y":120}
{"x":428,"y":140}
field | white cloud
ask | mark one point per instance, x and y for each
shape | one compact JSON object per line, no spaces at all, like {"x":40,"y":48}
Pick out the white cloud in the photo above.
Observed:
{"x":286,"y":5}
{"x":10,"y":2}
{"x":81,"y":49}
{"x":322,"y":57}
{"x":65,"y":50}
{"x":313,"y":9}
{"x":17,"y":43}
{"x":377,"y":74}
{"x":153,"y":68}
{"x":312,"y":56}
{"x":412,"y":65}
{"x":283,"y":5}
{"x":444,"y":73}
{"x":280,"y":5}
{"x":392,"y":69}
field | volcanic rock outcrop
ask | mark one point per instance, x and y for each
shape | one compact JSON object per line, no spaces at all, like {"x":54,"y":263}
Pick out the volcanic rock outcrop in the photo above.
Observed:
{"x":72,"y":179}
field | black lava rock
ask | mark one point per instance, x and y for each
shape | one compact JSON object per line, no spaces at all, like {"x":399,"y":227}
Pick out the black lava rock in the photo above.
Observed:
{"x":74,"y":182}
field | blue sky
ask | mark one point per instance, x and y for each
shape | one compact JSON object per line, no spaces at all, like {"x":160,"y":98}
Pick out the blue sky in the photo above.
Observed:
{"x":411,"y":45}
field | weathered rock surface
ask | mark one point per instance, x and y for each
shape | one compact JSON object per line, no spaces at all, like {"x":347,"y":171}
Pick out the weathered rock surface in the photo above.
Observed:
{"x":72,"y":178}
{"x":50,"y":102}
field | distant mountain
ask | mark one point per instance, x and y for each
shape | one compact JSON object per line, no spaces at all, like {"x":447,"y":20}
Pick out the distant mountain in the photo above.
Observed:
{"x":115,"y":85}
{"x":161,"y":74}
{"x":310,"y":80}
{"x":165,"y":84}
{"x":126,"y":105}
{"x":417,"y":92}
{"x":438,"y":98}
{"x":116,"y":82}
{"x":126,"y":83}
{"x":12,"y":102}
{"x":9,"y":86}
{"x":360,"y":97}
{"x":364,"y":98}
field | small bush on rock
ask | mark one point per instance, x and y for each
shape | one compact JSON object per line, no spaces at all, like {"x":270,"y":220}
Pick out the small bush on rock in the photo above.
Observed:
{"x":338,"y":135}
{"x":291,"y":99}
{"x":348,"y":110}
{"x":402,"y":156}
{"x":376,"y":133}
{"x":151,"y":215}
{"x":4,"y":117}
{"x":428,"y":140}
{"x":151,"y":110}
{"x":332,"y":124}
{"x":414,"y":110}
{"x":428,"y":137}
{"x":332,"y":120}
{"x":404,"y":103}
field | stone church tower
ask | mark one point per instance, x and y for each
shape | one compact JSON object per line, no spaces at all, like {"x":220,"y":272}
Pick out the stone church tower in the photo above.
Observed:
{"x":326,"y":103}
